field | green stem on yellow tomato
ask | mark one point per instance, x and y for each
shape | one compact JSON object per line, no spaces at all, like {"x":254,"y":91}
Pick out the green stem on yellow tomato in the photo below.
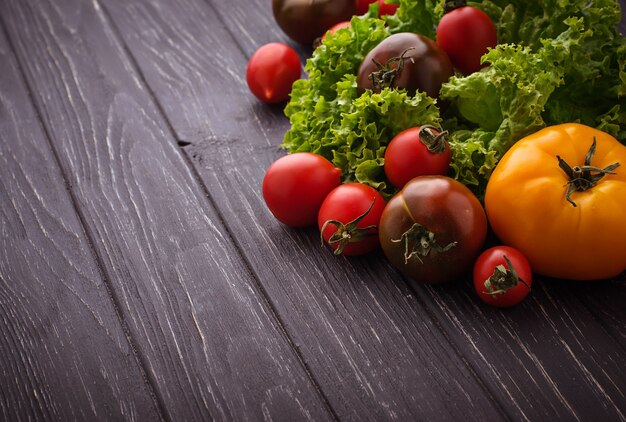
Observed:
{"x":586,"y":176}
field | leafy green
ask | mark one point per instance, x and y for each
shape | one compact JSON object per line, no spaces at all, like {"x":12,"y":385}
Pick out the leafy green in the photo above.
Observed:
{"x":557,"y":61}
{"x":328,"y":116}
{"x":419,"y":16}
{"x":577,"y":75}
{"x":354,"y":130}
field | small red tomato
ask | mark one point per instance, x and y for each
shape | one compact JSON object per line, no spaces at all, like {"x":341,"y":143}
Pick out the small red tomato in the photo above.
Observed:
{"x":502,"y":276}
{"x":465,"y":34}
{"x":383,"y":9}
{"x":295,"y":186}
{"x":271,"y":71}
{"x":418,"y":151}
{"x":348,"y":219}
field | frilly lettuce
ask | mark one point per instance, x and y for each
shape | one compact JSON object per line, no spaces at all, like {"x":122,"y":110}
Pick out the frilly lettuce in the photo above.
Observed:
{"x":328,"y":116}
{"x":557,"y":61}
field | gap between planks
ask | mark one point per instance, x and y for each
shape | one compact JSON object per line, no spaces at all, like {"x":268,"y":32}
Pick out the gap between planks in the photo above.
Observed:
{"x":107,"y":20}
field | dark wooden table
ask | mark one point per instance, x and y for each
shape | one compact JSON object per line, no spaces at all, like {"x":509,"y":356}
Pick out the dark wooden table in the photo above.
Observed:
{"x":142,"y":277}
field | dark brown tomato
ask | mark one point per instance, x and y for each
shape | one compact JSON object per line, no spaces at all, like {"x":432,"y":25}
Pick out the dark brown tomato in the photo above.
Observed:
{"x":305,"y":20}
{"x":410,"y":61}
{"x":433,"y":229}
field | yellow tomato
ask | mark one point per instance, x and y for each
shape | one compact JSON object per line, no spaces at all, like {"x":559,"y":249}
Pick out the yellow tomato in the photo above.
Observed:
{"x":534,"y":204}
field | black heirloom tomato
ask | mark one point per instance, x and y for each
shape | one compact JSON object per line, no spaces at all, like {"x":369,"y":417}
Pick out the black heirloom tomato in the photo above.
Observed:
{"x":433,"y":229}
{"x":405,"y":60}
{"x":306,"y":20}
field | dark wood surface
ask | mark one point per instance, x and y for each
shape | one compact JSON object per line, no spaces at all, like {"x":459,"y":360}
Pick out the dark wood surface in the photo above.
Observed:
{"x":143,"y":278}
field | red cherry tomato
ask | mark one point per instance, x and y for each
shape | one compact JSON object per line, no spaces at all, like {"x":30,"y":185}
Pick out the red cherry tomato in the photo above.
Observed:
{"x":271,"y":71}
{"x":295,"y":186}
{"x":502,"y":276}
{"x":465,"y":34}
{"x":383,"y":9}
{"x":348,"y":219}
{"x":417,"y":151}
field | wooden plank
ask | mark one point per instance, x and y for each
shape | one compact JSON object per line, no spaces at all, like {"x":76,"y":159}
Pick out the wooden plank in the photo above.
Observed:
{"x":379,"y":335}
{"x":63,"y":352}
{"x":370,"y":345}
{"x":595,"y":310}
{"x":211,"y":344}
{"x":549,"y":358}
{"x":605,"y":300}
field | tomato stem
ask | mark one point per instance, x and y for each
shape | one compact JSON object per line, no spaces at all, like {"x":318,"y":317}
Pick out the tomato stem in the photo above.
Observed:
{"x":503,"y":279}
{"x":423,"y":241}
{"x":349,"y":232}
{"x":386,"y":74}
{"x":453,"y":4}
{"x":583,"y":177}
{"x":433,"y":138}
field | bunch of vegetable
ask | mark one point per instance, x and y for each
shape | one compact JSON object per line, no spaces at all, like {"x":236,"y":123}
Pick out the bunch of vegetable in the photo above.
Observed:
{"x":555,"y":62}
{"x":407,"y":122}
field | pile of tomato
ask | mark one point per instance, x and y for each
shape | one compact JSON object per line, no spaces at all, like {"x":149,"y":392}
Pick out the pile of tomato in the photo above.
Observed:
{"x":434,"y":229}
{"x":463,"y":35}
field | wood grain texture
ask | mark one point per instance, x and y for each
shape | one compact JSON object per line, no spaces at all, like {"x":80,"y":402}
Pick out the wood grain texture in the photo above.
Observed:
{"x":63,"y":354}
{"x":548,"y":358}
{"x":375,"y":345}
{"x":373,"y":350}
{"x":210,"y":344}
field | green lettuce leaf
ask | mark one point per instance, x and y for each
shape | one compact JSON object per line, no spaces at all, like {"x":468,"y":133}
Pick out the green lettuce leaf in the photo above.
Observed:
{"x":419,"y":16}
{"x":557,"y":61}
{"x":353,"y":131}
{"x":576,"y":76}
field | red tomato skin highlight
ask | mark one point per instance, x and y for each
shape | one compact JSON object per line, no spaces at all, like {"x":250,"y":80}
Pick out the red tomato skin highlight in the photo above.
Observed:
{"x":271,"y":71}
{"x":295,"y":186}
{"x":345,"y":203}
{"x":407,"y":157}
{"x":465,"y":34}
{"x":484,"y":267}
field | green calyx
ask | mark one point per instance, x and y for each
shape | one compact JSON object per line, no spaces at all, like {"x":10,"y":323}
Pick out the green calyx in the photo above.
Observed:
{"x":419,"y":241}
{"x":349,"y":232}
{"x":454,"y":4}
{"x":503,"y":279}
{"x":433,"y":138}
{"x":584,"y":177}
{"x":387,"y":73}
